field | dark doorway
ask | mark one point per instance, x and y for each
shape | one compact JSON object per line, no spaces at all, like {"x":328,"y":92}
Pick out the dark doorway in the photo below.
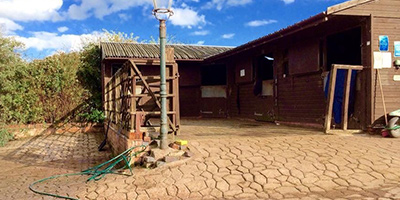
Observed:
{"x":264,"y":67}
{"x":264,"y":74}
{"x":213,"y":91}
{"x":344,"y":48}
{"x":213,"y":75}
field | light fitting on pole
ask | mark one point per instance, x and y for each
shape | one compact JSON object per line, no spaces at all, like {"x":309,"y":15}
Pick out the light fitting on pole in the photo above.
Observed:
{"x":164,"y":12}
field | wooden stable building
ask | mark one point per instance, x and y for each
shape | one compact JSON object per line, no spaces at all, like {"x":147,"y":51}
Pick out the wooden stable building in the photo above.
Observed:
{"x":282,"y":76}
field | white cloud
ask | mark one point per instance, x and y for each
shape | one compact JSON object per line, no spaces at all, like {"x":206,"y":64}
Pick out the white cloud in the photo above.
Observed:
{"x":99,"y":9}
{"x":53,"y":41}
{"x":201,"y":42}
{"x":8,"y":27}
{"x":186,"y":17}
{"x":219,"y":4}
{"x":288,"y":1}
{"x":260,"y":22}
{"x":62,"y":29}
{"x":228,"y":36}
{"x":30,"y":10}
{"x":202,"y":33}
{"x":124,"y":17}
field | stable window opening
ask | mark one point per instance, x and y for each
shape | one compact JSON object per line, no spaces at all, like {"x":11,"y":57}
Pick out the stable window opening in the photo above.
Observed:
{"x":213,"y":81}
{"x":264,"y":75}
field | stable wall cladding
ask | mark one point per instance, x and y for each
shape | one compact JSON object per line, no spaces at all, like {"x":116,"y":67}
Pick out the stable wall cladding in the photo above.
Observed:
{"x":391,"y":88}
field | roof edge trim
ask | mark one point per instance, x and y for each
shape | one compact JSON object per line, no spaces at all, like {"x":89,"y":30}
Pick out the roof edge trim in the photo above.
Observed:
{"x":345,"y":5}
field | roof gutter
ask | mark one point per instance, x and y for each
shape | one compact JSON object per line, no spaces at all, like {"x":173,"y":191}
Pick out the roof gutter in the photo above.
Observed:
{"x":145,"y":59}
{"x":310,"y":22}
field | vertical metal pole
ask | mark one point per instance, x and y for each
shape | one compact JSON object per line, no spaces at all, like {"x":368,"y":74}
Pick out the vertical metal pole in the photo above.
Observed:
{"x":163,"y":88}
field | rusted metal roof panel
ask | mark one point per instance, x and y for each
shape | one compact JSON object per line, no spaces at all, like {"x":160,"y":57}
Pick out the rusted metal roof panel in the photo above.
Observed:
{"x":152,"y":51}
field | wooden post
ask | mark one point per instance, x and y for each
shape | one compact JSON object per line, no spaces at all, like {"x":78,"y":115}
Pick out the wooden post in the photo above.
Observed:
{"x":383,"y":97}
{"x":331,"y":95}
{"x":177,"y":108}
{"x":346,"y":100}
{"x":132,"y":98}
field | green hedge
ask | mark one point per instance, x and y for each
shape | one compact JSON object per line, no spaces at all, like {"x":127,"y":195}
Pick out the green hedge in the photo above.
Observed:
{"x":65,"y":86}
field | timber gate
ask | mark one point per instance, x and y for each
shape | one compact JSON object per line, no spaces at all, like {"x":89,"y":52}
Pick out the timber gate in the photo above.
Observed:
{"x":132,"y":103}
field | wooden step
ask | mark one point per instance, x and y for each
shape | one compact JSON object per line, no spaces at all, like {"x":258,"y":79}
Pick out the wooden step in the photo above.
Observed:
{"x":149,"y":129}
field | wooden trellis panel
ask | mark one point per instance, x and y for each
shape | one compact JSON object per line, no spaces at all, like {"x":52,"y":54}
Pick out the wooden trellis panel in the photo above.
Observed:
{"x":122,"y":101}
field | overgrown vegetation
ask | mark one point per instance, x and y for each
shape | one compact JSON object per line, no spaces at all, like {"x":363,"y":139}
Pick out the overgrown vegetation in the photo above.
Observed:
{"x":58,"y":88}
{"x":5,"y":136}
{"x":64,"y":86}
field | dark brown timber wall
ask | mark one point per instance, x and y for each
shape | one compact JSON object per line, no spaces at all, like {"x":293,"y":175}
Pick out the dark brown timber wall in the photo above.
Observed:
{"x":189,"y":89}
{"x":299,"y":83}
{"x":241,"y":100}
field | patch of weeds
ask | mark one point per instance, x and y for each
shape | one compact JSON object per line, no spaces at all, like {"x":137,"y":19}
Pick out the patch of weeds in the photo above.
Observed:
{"x":5,"y":136}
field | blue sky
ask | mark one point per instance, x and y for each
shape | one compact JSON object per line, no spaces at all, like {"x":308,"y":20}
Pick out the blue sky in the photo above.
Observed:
{"x":48,"y":26}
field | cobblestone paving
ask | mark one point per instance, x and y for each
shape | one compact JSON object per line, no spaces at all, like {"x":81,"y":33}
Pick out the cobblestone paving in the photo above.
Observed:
{"x":234,"y":159}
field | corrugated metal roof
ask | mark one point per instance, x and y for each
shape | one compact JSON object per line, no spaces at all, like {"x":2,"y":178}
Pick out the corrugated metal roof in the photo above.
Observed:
{"x":138,"y":50}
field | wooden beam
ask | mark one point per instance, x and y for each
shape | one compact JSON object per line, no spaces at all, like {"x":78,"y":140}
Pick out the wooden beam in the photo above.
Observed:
{"x":331,"y":95}
{"x":346,"y":99}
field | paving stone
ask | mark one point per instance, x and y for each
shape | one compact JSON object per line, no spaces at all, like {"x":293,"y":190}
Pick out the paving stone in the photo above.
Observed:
{"x":196,"y":185}
{"x":271,"y":173}
{"x":222,"y":185}
{"x":256,"y":162}
{"x":234,"y":179}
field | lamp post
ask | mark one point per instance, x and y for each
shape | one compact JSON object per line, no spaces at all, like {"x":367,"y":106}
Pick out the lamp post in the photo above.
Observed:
{"x":163,"y":14}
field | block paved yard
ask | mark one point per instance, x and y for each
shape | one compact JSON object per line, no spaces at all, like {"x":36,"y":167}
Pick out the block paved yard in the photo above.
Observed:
{"x":235,"y":159}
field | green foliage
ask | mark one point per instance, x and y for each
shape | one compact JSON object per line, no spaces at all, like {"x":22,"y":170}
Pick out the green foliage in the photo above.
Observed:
{"x":5,"y":136}
{"x":94,"y":115}
{"x":64,"y":86}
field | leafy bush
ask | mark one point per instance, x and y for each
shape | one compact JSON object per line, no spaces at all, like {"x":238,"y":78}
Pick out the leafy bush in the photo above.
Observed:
{"x":5,"y":136}
{"x":94,"y":115}
{"x":64,"y":86}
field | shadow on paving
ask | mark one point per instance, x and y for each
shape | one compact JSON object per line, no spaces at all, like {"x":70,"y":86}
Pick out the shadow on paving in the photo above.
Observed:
{"x":65,"y":150}
{"x":240,"y":127}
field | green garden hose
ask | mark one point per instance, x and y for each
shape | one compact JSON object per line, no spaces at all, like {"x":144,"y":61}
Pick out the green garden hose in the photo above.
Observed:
{"x":97,"y":172}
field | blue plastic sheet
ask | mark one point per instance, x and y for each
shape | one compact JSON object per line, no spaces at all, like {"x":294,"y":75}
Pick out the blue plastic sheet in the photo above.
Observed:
{"x":339,"y":93}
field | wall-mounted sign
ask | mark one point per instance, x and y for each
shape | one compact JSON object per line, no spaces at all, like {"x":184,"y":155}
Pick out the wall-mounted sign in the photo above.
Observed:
{"x":397,"y":49}
{"x":396,"y":77}
{"x":383,"y":43}
{"x":242,"y":72}
{"x":382,"y":60}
